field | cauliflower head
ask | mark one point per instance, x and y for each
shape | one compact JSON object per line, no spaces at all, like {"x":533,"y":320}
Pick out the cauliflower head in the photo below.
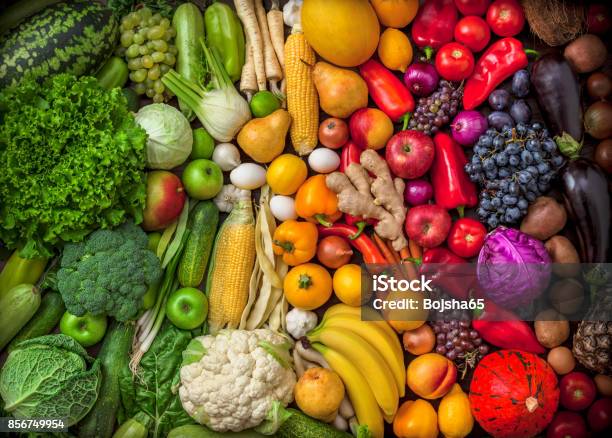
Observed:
{"x":108,"y":273}
{"x":230,"y":381}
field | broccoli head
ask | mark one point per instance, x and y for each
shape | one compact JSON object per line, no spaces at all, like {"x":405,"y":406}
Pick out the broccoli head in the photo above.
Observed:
{"x":108,"y":273}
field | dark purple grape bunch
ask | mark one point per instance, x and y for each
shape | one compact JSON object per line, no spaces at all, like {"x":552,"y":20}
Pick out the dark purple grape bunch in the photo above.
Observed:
{"x":438,"y":109}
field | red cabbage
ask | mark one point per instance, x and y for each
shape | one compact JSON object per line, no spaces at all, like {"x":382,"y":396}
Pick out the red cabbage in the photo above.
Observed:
{"x":513,"y":267}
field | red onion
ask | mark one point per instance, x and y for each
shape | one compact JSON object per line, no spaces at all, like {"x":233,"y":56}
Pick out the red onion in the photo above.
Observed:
{"x":418,"y":192}
{"x":421,"y":78}
{"x":467,"y":126}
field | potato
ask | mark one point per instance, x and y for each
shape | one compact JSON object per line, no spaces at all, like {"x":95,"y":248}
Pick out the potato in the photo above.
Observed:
{"x":564,"y":256}
{"x":566,"y":296}
{"x":586,"y":53}
{"x":551,"y":328}
{"x":545,"y":218}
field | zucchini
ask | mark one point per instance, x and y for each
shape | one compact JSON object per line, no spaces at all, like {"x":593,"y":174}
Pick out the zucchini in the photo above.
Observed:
{"x":114,"y":357}
{"x":69,"y":37}
{"x":21,"y":10}
{"x":189,"y":25}
{"x":43,"y":322}
{"x":203,"y":219}
{"x":114,"y":73}
{"x":300,"y":425}
{"x":17,"y":307}
{"x":18,"y":270}
{"x":197,"y":431}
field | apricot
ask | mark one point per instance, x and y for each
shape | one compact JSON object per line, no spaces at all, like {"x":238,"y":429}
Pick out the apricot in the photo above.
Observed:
{"x":431,"y":375}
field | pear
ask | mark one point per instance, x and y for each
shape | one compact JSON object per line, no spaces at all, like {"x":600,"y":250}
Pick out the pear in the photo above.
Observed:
{"x":263,"y":139}
{"x":341,"y":91}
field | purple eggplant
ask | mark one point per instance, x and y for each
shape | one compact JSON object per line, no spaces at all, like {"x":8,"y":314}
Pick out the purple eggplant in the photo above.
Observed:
{"x":558,"y":94}
{"x":585,"y":190}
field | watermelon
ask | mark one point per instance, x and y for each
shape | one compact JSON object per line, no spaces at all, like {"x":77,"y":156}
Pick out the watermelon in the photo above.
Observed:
{"x":69,"y":37}
{"x":513,"y":394}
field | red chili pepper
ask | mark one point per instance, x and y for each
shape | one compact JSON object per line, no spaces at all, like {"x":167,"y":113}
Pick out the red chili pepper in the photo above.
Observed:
{"x":502,"y":59}
{"x":434,"y":24}
{"x":452,"y":186}
{"x":387,"y":91}
{"x":359,"y":222}
{"x":449,"y":272}
{"x":351,"y":153}
{"x":368,"y":249}
{"x":466,"y":237}
{"x":502,"y":328}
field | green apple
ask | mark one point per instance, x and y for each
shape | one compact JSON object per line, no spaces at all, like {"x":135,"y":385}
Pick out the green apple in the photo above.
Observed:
{"x":87,"y":330}
{"x":202,"y":179}
{"x":187,"y":308}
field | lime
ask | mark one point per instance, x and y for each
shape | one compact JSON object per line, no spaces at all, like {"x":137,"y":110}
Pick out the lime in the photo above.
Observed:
{"x":264,"y":103}
{"x":203,"y":144}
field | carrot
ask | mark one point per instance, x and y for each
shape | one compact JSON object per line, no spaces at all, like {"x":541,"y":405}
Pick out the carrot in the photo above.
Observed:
{"x":415,"y":250}
{"x":274,"y":73}
{"x":408,"y":265}
{"x":248,"y":79}
{"x":277,"y":32}
{"x":246,"y":12}
{"x":384,"y":249}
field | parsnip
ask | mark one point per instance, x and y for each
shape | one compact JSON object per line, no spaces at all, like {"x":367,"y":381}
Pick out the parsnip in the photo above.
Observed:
{"x":248,"y":79}
{"x":246,"y":12}
{"x":274,"y":72}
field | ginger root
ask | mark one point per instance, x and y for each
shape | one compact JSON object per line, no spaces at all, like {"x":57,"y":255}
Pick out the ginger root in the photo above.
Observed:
{"x":380,"y":198}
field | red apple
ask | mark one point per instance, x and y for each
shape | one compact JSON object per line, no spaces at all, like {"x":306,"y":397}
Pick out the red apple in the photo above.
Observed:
{"x":600,"y":415}
{"x":410,"y":154}
{"x":577,"y":391}
{"x":428,"y":225}
{"x":566,"y":424}
{"x":370,"y":128}
{"x":165,"y":200}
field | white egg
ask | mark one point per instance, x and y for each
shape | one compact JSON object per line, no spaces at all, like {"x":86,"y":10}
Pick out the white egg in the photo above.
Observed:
{"x":248,"y":176}
{"x":283,"y":207}
{"x":323,"y":160}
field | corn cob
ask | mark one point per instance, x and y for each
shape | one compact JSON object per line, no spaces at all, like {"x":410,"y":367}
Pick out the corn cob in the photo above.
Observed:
{"x":232,"y":262}
{"x":302,"y":98}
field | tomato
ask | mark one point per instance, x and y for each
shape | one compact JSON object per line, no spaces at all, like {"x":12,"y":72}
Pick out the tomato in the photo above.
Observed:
{"x":567,"y":424}
{"x":472,"y":7}
{"x":307,"y":286}
{"x":454,"y":62}
{"x":506,"y":17}
{"x":598,"y":18}
{"x":576,"y":391}
{"x":600,"y":415}
{"x":286,"y":174}
{"x":466,"y":237}
{"x":333,"y":133}
{"x":474,"y":32}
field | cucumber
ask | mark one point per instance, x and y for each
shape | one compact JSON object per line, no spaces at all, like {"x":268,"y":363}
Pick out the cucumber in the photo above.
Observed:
{"x":18,"y":270}
{"x":17,"y":307}
{"x":189,"y":24}
{"x":197,"y":431}
{"x":43,"y":322}
{"x":204,"y":219}
{"x":114,"y":73}
{"x":114,"y":356}
{"x":300,"y":425}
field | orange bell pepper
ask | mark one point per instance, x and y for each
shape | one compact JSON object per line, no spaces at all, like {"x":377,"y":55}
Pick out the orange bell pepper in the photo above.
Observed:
{"x":295,"y":241}
{"x":316,"y":203}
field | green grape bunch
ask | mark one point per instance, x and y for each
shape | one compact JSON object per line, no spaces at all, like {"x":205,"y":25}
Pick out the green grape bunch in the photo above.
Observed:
{"x":147,"y":45}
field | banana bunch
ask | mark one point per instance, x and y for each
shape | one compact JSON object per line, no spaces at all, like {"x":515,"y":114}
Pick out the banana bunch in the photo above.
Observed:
{"x":369,"y":359}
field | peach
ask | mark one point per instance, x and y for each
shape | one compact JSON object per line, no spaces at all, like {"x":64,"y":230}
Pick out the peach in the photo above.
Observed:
{"x":431,"y":375}
{"x":370,"y":128}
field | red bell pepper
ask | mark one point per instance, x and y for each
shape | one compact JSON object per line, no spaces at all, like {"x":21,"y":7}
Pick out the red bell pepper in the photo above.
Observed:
{"x":351,"y":153}
{"x":366,"y":246}
{"x":502,"y":328}
{"x":451,"y":184}
{"x":449,"y":272}
{"x":466,"y":237}
{"x":502,"y":59}
{"x":387,"y":91}
{"x":434,"y":24}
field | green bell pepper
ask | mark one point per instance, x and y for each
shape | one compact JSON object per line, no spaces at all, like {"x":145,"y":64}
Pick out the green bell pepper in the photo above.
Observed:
{"x":225,"y":35}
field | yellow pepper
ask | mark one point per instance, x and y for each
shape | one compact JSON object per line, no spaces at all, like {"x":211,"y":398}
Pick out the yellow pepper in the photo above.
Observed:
{"x":295,"y":241}
{"x":316,"y":203}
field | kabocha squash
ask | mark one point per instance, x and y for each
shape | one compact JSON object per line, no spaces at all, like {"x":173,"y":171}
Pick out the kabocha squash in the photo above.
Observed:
{"x":72,"y":37}
{"x":344,"y":32}
{"x":513,"y":394}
